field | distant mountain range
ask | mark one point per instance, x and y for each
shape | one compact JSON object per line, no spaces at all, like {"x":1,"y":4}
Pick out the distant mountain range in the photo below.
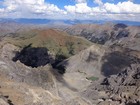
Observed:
{"x":66,"y":22}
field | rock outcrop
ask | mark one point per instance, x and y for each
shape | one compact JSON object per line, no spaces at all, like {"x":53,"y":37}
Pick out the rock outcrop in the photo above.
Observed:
{"x":120,"y":89}
{"x":24,"y":85}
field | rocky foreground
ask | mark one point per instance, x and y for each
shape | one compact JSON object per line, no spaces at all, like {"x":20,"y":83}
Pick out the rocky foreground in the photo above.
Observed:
{"x":24,"y":85}
{"x":121,"y":89}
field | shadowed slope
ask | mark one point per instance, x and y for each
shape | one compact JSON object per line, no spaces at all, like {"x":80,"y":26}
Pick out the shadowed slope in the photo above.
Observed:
{"x":33,"y":57}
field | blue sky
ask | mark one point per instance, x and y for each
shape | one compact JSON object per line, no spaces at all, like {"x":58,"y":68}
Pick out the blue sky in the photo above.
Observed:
{"x":62,"y":3}
{"x":71,"y":9}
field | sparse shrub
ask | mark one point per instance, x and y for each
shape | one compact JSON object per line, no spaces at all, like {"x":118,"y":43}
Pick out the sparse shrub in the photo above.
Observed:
{"x":92,"y":78}
{"x":70,"y":47}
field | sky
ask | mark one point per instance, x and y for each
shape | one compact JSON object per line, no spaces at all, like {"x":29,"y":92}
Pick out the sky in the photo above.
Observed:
{"x":128,"y":10}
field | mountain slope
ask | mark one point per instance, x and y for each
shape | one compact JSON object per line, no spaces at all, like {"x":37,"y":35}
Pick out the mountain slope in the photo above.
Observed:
{"x":54,"y":40}
{"x":99,"y":61}
{"x":21,"y":84}
{"x":109,"y":33}
{"x":94,"y":74}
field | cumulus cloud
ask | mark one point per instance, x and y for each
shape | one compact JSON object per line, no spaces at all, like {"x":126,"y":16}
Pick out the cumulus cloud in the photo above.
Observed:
{"x":121,"y":7}
{"x":31,"y":7}
{"x":124,"y":7}
{"x":40,"y":9}
{"x":81,"y":1}
{"x":99,"y":2}
{"x":81,"y":8}
{"x":122,"y":10}
{"x":131,"y":0}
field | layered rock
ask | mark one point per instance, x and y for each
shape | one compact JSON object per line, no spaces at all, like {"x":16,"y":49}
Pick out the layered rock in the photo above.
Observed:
{"x":120,"y":89}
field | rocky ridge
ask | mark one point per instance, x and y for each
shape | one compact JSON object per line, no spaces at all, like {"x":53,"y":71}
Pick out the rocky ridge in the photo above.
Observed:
{"x":120,"y":89}
{"x":108,"y":34}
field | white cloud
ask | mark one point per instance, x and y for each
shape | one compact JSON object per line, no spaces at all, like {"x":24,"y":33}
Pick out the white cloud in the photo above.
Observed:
{"x":40,"y":9}
{"x":81,"y":1}
{"x":1,"y":10}
{"x":131,"y":0}
{"x":99,"y":2}
{"x":122,"y":10}
{"x":81,"y":8}
{"x":124,"y":7}
{"x":31,"y":7}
